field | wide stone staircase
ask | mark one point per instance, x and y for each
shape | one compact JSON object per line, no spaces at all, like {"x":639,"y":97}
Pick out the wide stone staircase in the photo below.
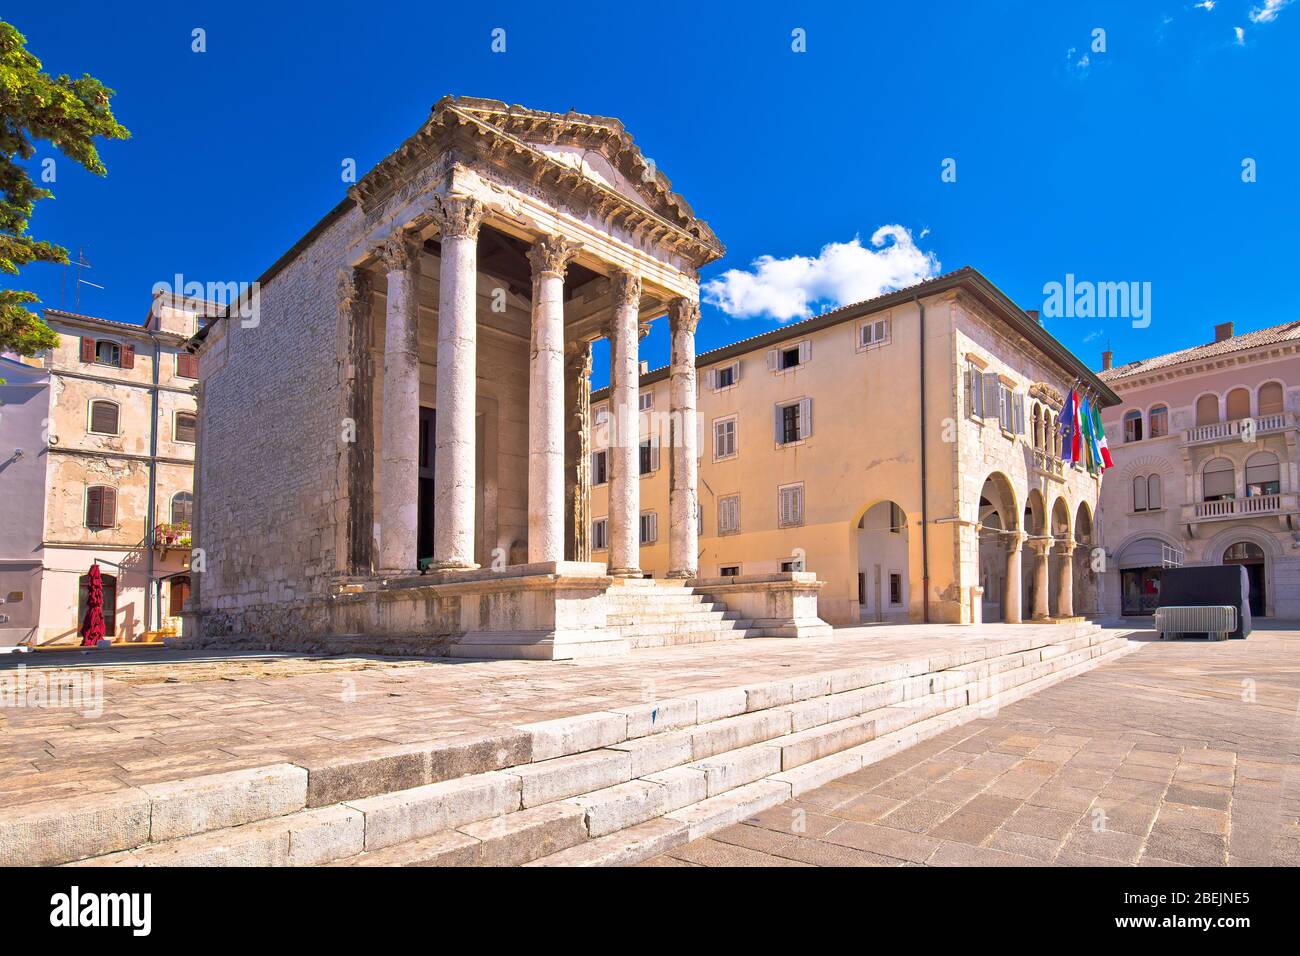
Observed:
{"x":647,"y":612}
{"x":606,"y":788}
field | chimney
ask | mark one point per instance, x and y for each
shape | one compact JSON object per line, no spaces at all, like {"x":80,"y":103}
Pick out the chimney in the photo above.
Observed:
{"x":1107,"y":359}
{"x":1222,"y":331}
{"x":645,"y":366}
{"x":1033,"y":314}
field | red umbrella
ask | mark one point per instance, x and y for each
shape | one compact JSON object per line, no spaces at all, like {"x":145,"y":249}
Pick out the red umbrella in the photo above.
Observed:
{"x":92,"y":628}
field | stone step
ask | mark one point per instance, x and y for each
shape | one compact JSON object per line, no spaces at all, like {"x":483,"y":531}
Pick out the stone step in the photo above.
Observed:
{"x":681,"y":638}
{"x":652,"y":618}
{"x":693,"y":749}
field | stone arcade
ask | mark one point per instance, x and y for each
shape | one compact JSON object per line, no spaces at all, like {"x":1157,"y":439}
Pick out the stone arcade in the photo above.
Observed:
{"x":412,"y":393}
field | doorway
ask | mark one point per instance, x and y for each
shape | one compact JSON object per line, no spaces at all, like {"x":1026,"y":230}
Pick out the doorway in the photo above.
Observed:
{"x":1251,"y":557}
{"x":424,"y":522}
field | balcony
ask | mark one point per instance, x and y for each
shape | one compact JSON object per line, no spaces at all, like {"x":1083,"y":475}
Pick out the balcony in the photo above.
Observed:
{"x":1219,"y":432}
{"x":171,"y":537}
{"x":1049,"y":465}
{"x":1253,"y":507}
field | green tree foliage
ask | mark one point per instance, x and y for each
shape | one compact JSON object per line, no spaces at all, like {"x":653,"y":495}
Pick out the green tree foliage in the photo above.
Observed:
{"x":67,"y":113}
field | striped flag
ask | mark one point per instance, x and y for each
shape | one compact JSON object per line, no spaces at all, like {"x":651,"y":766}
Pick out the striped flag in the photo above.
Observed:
{"x":1102,"y":444}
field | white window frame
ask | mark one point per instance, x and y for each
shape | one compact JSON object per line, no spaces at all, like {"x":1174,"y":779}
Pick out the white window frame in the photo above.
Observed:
{"x":734,"y":421}
{"x":781,"y":520}
{"x":115,"y":344}
{"x":871,"y":335}
{"x":653,"y":538}
{"x":723,"y":567}
{"x":602,"y":452}
{"x":774,"y":356}
{"x":724,"y":529}
{"x":805,"y":421}
{"x":603,"y":525}
{"x":645,"y":401}
{"x":655,"y":460}
{"x":716,"y":371}
{"x":975,"y":370}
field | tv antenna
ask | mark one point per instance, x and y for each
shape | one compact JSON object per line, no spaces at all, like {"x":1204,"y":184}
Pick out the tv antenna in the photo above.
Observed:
{"x":80,"y":264}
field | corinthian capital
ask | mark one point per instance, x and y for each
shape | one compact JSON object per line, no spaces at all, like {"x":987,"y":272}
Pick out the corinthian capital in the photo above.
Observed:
{"x":398,"y":251}
{"x":626,"y":288}
{"x":683,"y":314}
{"x":458,"y":217}
{"x":551,"y":255}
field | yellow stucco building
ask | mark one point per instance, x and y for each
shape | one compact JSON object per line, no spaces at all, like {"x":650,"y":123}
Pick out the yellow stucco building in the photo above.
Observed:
{"x":901,"y":448}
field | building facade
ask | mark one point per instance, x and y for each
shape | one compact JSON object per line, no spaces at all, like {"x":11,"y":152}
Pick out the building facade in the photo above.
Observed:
{"x":905,"y":449}
{"x":117,"y":469}
{"x":1206,"y":467}
{"x":24,"y":415}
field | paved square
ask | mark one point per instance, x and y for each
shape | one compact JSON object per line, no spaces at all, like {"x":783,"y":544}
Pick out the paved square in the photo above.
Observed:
{"x":1184,"y":753}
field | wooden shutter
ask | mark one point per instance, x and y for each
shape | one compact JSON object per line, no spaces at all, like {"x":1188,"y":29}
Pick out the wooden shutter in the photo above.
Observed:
{"x":654,"y":453}
{"x":805,"y":352}
{"x":1018,"y":412}
{"x":805,"y":418}
{"x":103,"y":418}
{"x":1140,"y":493}
{"x":128,"y":356}
{"x":713,"y":378}
{"x":101,"y":507}
{"x":780,"y":437}
{"x":87,"y":349}
{"x":735,"y":373}
{"x":991,"y":385}
{"x":186,"y":425}
{"x":773,"y":357}
{"x":187,"y":365}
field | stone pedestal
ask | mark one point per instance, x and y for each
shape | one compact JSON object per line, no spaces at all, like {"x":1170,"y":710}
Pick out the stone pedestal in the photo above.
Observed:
{"x":780,"y":604}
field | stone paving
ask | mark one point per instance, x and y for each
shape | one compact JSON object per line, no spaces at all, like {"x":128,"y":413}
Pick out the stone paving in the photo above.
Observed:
{"x":171,"y":714}
{"x":1184,"y":753}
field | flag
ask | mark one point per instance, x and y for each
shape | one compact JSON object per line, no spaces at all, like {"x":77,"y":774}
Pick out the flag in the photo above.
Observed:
{"x":1067,"y":429}
{"x":1076,"y":432}
{"x":1100,"y":432}
{"x":1090,"y":438}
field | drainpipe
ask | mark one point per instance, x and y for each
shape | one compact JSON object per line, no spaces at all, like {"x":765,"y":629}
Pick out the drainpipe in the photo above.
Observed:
{"x":153,"y":490}
{"x":925,"y":509}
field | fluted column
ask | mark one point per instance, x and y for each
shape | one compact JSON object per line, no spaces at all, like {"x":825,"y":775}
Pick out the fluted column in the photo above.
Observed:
{"x":1011,"y":613}
{"x":683,"y":499}
{"x":550,"y":257}
{"x":454,"y":432}
{"x":577,"y":452}
{"x":1065,"y":581}
{"x":400,"y":433}
{"x":1042,"y":547}
{"x":624,"y":433}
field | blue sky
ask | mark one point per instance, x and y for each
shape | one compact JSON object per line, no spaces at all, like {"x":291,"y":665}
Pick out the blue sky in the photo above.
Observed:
{"x":1115,"y":165}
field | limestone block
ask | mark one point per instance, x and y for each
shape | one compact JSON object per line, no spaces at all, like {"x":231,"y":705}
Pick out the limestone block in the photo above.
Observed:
{"x":479,"y":753}
{"x":802,"y":748}
{"x":568,"y":776}
{"x":620,"y":806}
{"x":809,"y":713}
{"x":659,"y":752}
{"x":331,"y":833}
{"x":62,"y":830}
{"x":518,"y":838}
{"x":682,"y":786}
{"x":624,"y":848}
{"x":658,"y":716}
{"x":713,"y":814}
{"x":730,"y":770}
{"x":392,"y":818}
{"x":734,"y":732}
{"x":718,"y":704}
{"x":763,"y":696}
{"x":812,"y":775}
{"x":382,"y":770}
{"x":213,"y":801}
{"x":446,"y":848}
{"x":571,"y":735}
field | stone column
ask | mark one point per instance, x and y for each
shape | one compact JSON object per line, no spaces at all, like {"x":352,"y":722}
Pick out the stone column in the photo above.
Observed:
{"x":683,"y":499}
{"x":624,"y":432}
{"x":1065,"y":581}
{"x":399,"y":477}
{"x":1011,"y":613}
{"x":550,"y":257}
{"x":577,"y":452}
{"x":1042,"y":547}
{"x":455,"y":426}
{"x":355,"y":289}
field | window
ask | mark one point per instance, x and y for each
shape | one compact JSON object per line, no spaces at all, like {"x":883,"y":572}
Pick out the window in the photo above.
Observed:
{"x":101,"y":507}
{"x":103,"y":418}
{"x":871,"y":334}
{"x":895,"y":589}
{"x":649,"y":456}
{"x":108,"y":353}
{"x":1219,"y":481}
{"x":974,"y":390}
{"x":1207,"y":410}
{"x":645,"y":401}
{"x":182,"y":508}
{"x":793,"y":421}
{"x":1158,"y":420}
{"x":897,"y":520}
{"x":1238,"y":404}
{"x":649,"y":528}
{"x":600,"y":534}
{"x":1263,"y":476}
{"x":729,"y":514}
{"x":729,"y":571}
{"x":186,"y":427}
{"x":103,"y":352}
{"x":1038,"y":426}
{"x":1154,"y":502}
{"x":1132,"y":426}
{"x":724,"y":438}
{"x":795,"y":564}
{"x":187,"y":365}
{"x":1146,"y":493}
{"x":109,"y":584}
{"x":791,"y":356}
{"x":599,"y":467}
{"x":1011,"y":409}
{"x":1140,"y":493}
{"x":790,"y":505}
{"x":1270,"y":398}
{"x":726,"y":376}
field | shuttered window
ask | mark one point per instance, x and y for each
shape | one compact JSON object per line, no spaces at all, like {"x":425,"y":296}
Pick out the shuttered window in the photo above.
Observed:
{"x":103,"y":418}
{"x":600,"y":534}
{"x":599,"y":467}
{"x":724,"y":438}
{"x":729,"y":514}
{"x":101,"y":507}
{"x":186,"y":427}
{"x":974,"y":391}
{"x":649,"y":528}
{"x":187,"y":365}
{"x":1263,"y":475}
{"x":1219,"y":480}
{"x":182,"y":508}
{"x":790,"y":505}
{"x":793,"y":421}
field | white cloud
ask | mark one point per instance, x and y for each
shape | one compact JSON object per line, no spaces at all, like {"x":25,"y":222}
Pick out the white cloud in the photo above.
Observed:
{"x":1267,"y":12}
{"x":843,"y":272}
{"x":1206,"y":5}
{"x":1241,"y":35}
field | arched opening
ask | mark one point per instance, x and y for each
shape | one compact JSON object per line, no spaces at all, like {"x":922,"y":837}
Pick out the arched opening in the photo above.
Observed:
{"x":1218,"y":480}
{"x":1251,"y":556}
{"x":1270,"y":399}
{"x":883,"y":559}
{"x":998,"y":528}
{"x":1238,"y":404}
{"x":1038,"y":426}
{"x":1207,"y":410}
{"x":1058,"y":561}
{"x":1141,"y":563}
{"x":1132,"y":425}
{"x":1086,"y":591}
{"x":1263,"y":475}
{"x":1158,"y":421}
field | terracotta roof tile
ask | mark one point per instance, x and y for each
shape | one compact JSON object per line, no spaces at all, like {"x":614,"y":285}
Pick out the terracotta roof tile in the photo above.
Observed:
{"x":1286,"y":332}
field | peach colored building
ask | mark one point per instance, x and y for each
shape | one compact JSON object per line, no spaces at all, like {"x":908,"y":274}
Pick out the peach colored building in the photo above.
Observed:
{"x":1204,"y":443}
{"x":901,"y":449}
{"x":118,"y":458}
